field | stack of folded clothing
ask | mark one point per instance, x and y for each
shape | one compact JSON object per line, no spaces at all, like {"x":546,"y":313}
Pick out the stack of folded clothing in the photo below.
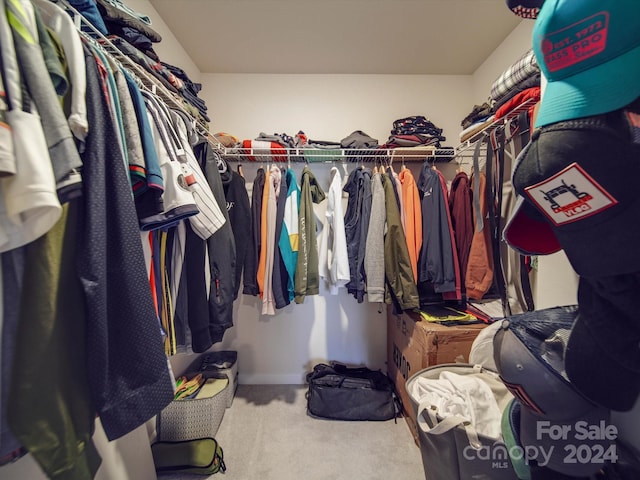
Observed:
{"x":126,"y":23}
{"x":530,"y":96}
{"x":414,"y":131}
{"x":354,"y":143}
{"x":479,"y":118}
{"x":268,"y":147}
{"x":520,"y":76}
{"x":479,"y":113}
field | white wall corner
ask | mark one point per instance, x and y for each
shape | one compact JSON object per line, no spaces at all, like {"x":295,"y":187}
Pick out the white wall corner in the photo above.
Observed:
{"x":516,"y":43}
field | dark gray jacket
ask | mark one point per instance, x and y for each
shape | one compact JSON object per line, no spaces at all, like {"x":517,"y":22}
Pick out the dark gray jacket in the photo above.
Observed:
{"x":356,"y":226}
{"x":435,"y":264}
{"x":239,"y":211}
{"x":222,"y":257}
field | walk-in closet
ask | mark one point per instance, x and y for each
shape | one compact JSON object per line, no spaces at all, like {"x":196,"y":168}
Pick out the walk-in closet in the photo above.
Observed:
{"x":201,"y":243}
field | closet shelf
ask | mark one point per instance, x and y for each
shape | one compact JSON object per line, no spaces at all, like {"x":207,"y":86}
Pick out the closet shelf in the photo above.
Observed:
{"x":320,"y":155}
{"x":466,"y":145}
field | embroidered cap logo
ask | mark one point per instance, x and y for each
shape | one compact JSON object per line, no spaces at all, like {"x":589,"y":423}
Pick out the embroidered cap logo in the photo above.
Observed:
{"x":576,"y":43}
{"x":570,"y":195}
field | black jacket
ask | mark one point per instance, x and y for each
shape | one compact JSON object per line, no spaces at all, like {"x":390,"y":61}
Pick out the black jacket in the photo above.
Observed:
{"x":435,"y":264}
{"x":251,"y":269}
{"x":129,"y":378}
{"x":239,"y":211}
{"x":356,"y":226}
{"x":222,"y":258}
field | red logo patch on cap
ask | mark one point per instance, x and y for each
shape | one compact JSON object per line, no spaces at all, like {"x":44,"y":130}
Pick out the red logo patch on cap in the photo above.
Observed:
{"x":521,"y":394}
{"x":576,"y":43}
{"x":570,"y":195}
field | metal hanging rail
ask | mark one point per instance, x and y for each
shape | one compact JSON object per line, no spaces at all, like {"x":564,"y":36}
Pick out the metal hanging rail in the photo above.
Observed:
{"x":318,"y":155}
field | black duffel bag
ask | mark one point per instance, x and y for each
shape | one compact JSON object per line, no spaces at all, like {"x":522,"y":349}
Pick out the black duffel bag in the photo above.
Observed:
{"x":338,"y":392}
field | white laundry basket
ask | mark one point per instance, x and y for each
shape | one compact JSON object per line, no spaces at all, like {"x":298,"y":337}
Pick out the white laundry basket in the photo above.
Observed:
{"x":448,"y":444}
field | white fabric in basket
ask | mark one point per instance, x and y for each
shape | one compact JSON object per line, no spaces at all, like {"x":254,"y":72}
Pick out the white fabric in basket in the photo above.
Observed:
{"x":464,"y":396}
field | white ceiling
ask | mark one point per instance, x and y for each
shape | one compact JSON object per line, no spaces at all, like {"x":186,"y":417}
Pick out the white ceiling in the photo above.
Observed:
{"x":338,"y":36}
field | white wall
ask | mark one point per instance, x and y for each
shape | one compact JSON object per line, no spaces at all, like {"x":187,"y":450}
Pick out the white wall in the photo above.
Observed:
{"x":330,"y":107}
{"x":512,"y":48}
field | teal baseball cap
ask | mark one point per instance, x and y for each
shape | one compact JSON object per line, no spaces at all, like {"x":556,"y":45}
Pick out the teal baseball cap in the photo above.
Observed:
{"x":589,"y":53}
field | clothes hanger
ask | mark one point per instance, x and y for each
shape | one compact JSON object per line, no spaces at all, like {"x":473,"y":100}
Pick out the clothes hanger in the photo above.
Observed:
{"x":389,"y":162}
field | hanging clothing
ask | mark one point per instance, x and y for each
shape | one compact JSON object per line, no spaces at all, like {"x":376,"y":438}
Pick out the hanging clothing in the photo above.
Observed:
{"x":195,"y":311}
{"x":62,"y":149}
{"x":212,"y":212}
{"x":131,"y":139}
{"x":332,"y":253}
{"x":49,"y":408}
{"x":176,"y":202}
{"x":456,"y":293}
{"x":479,"y":276}
{"x":412,"y":218}
{"x":401,"y":290}
{"x":307,"y":276}
{"x":221,"y":250}
{"x":280,"y":277}
{"x":436,"y":264}
{"x":289,"y":237}
{"x":374,"y":259}
{"x":12,"y":286}
{"x":61,"y":23}
{"x":461,"y":217}
{"x":397,"y":187}
{"x":251,"y":272}
{"x":149,"y":178}
{"x":7,"y":151}
{"x":273,"y":185}
{"x":176,"y":251}
{"x":29,"y":203}
{"x":239,"y":211}
{"x":262,"y":258}
{"x":130,"y":380}
{"x":356,"y":226}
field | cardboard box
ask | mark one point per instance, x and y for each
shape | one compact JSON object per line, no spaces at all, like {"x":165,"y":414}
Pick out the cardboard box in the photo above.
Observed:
{"x":413,"y":345}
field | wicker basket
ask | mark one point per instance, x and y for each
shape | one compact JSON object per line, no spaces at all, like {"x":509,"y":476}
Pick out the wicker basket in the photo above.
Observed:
{"x":190,"y":419}
{"x":226,"y":362}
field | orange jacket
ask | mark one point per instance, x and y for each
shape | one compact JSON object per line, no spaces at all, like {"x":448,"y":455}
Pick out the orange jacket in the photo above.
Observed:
{"x":480,"y":267}
{"x":262,"y":262}
{"x":413,"y":218}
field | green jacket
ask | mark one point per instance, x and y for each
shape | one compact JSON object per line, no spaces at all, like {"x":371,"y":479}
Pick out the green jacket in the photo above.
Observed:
{"x":307,"y":277}
{"x":401,"y":290}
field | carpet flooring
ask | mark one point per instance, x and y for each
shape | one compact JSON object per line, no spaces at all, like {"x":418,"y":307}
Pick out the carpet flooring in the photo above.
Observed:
{"x":267,"y":435}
